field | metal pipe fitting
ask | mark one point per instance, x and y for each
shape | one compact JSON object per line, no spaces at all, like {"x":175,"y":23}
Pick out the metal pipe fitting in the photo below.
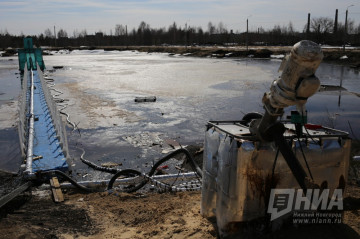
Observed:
{"x":295,"y":85}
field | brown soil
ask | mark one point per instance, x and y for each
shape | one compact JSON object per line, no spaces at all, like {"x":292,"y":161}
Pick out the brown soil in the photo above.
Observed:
{"x":331,"y":55}
{"x":100,"y":215}
{"x":167,"y":215}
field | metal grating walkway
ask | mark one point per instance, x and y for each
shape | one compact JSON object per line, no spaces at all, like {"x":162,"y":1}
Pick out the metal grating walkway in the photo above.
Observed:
{"x":47,"y":149}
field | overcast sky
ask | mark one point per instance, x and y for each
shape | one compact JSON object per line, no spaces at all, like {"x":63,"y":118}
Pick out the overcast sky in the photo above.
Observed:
{"x":34,"y":16}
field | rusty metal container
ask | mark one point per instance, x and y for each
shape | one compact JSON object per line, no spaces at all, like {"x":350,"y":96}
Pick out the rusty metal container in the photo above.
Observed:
{"x":239,"y":171}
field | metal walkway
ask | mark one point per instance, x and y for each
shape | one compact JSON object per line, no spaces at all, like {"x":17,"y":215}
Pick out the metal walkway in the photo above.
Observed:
{"x":47,"y":153}
{"x":42,"y":134}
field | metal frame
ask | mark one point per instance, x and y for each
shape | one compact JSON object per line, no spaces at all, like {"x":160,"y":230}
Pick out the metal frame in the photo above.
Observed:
{"x":330,"y":132}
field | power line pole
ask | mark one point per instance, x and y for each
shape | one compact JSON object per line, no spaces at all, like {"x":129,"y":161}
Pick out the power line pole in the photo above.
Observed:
{"x":185,"y":35}
{"x":55,"y":35}
{"x":346,"y":17}
{"x":345,"y":33}
{"x":247,"y":34}
{"x":336,"y":22}
{"x":308,"y":26}
{"x":126,"y":36}
{"x":346,"y":20}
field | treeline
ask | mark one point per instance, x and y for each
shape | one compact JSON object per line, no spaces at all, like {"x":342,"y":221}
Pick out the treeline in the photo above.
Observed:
{"x":321,"y":30}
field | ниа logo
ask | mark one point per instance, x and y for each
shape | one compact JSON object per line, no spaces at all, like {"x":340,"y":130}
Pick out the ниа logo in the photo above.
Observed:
{"x":282,"y":201}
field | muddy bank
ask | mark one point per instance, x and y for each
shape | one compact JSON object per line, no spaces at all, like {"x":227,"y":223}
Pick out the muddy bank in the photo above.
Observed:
{"x":101,"y":215}
{"x":349,"y":57}
{"x":151,"y":215}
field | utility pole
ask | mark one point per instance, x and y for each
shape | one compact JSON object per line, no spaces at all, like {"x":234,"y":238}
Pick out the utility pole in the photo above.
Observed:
{"x":346,"y":16}
{"x":346,"y":19}
{"x":308,"y":26}
{"x":336,"y":22}
{"x":126,"y":36}
{"x":185,"y":35}
{"x":55,"y":35}
{"x":247,"y":34}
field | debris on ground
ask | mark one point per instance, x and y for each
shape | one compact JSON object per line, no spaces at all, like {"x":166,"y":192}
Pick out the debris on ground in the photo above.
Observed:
{"x":145,"y":99}
{"x":144,"y":139}
{"x":110,"y":164}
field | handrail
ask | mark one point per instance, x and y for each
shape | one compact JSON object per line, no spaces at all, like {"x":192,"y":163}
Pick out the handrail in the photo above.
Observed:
{"x":29,"y":153}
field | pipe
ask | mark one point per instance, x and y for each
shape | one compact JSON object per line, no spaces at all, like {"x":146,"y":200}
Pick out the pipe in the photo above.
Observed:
{"x":29,"y":153}
{"x":102,"y":183}
{"x":296,"y":84}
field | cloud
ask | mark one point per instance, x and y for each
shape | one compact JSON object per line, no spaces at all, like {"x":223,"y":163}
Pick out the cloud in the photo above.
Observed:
{"x":91,"y":14}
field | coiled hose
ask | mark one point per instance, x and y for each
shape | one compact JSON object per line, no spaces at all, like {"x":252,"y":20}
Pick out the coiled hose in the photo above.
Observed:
{"x":133,"y":173}
{"x":147,"y":177}
{"x":68,"y":178}
{"x":96,"y":167}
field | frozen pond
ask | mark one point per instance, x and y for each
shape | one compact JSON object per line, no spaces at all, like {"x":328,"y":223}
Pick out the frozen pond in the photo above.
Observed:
{"x":101,"y":88}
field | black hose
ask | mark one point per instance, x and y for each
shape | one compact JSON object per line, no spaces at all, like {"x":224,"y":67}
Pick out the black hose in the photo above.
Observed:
{"x":126,"y":172}
{"x":97,"y":167}
{"x":68,"y":178}
{"x":192,"y":162}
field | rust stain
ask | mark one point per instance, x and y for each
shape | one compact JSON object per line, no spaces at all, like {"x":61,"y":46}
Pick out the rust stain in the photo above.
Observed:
{"x":261,"y":185}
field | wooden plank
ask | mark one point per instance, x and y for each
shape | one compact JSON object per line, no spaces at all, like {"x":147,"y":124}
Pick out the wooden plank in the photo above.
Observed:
{"x":56,"y":190}
{"x":55,"y":182}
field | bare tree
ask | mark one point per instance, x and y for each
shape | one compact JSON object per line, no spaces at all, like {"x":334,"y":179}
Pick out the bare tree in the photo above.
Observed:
{"x":290,"y":28}
{"x":276,"y":30}
{"x":48,"y":33}
{"x":357,"y":29}
{"x":211,"y":28}
{"x":322,"y":25}
{"x":120,"y":30}
{"x":351,"y":26}
{"x":83,"y":33}
{"x":75,"y":33}
{"x":145,"y":33}
{"x":62,"y":33}
{"x":143,"y":27}
{"x":172,"y":30}
{"x":261,"y":30}
{"x":221,"y":28}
